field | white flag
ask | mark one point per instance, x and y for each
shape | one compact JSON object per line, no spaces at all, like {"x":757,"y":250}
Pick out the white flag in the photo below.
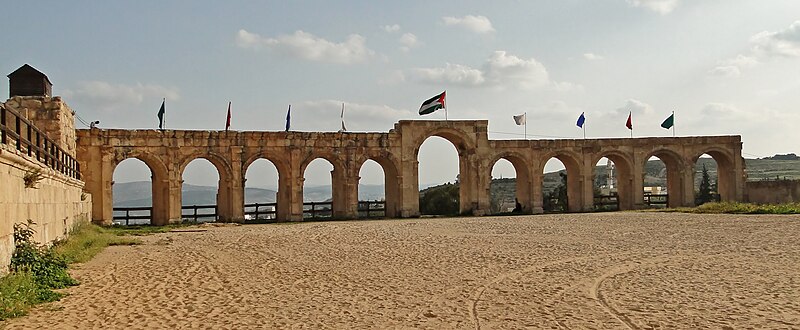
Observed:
{"x":520,"y":119}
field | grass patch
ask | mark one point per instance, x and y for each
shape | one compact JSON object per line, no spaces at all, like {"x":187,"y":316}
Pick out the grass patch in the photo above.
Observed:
{"x":87,"y":240}
{"x":19,"y":291}
{"x":738,"y":208}
{"x":142,"y":230}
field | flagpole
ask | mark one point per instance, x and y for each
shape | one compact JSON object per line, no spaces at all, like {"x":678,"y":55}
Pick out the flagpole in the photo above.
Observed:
{"x":584,"y":130}
{"x":526,"y":124}
{"x":164,"y":120}
{"x":673,"y":123}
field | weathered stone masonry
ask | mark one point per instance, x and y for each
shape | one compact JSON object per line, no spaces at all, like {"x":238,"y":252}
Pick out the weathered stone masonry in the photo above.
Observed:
{"x":168,"y":152}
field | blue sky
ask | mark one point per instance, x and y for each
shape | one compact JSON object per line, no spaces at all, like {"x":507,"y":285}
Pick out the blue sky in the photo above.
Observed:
{"x":724,"y":66}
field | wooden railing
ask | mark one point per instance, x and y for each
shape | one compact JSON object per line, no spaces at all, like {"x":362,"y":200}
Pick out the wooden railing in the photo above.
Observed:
{"x":16,"y":130}
{"x":371,"y":209}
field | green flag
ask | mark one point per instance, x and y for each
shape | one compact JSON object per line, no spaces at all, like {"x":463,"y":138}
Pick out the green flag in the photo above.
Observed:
{"x":669,"y":121}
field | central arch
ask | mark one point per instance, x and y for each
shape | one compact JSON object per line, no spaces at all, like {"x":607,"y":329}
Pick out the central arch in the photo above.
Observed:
{"x":467,"y":177}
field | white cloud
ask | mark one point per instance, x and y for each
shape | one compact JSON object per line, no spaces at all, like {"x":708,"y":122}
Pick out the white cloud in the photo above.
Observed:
{"x":107,"y":96}
{"x":662,"y":7}
{"x":391,"y":28}
{"x":323,"y":115}
{"x":727,"y":71}
{"x":785,"y":42}
{"x":501,"y":70}
{"x":506,"y":69}
{"x":408,"y":41}
{"x":636,"y":107}
{"x":455,"y":74}
{"x":733,"y":67}
{"x":592,"y":57}
{"x":307,"y":46}
{"x":477,"y":24}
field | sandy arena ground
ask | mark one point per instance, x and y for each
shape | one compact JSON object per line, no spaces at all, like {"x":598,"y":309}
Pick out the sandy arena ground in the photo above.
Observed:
{"x":577,"y":271}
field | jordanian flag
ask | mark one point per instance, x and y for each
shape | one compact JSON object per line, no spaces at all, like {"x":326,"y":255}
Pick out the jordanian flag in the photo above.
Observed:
{"x":433,"y":104}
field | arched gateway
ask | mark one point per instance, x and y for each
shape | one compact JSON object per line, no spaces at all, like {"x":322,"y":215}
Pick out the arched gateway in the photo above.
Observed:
{"x":168,"y":152}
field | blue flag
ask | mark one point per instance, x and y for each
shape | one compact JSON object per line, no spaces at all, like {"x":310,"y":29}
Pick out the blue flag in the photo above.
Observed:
{"x":288,"y":117}
{"x":581,"y":120}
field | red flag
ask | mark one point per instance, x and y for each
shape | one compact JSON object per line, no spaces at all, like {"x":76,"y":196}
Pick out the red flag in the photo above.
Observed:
{"x":228,"y":121}
{"x":629,"y":124}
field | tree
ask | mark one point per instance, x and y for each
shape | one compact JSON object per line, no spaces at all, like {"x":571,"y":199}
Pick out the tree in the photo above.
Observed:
{"x":441,"y":200}
{"x":704,"y":194}
{"x":556,"y":200}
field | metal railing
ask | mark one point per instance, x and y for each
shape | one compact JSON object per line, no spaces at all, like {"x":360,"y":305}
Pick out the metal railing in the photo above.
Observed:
{"x":256,"y":212}
{"x":606,"y":202}
{"x":18,"y":131}
{"x":317,"y":210}
{"x":371,"y":209}
{"x":260,"y":212}
{"x":195,"y":216}
{"x":140,"y":213}
{"x":661,"y":200}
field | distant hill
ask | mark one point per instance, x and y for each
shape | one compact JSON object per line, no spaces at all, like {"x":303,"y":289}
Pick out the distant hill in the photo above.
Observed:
{"x":129,"y":194}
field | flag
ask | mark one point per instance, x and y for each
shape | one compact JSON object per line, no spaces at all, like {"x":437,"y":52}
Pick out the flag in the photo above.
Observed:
{"x":161,"y":115}
{"x":520,"y":119}
{"x":288,"y":117}
{"x":433,"y":104}
{"x":629,"y":123}
{"x":342,"y":117}
{"x":581,"y":120}
{"x":228,"y":121}
{"x":669,"y":121}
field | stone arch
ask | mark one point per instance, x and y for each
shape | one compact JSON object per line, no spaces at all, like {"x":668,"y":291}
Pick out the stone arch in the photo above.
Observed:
{"x":222,"y":164}
{"x":225,"y":207}
{"x":282,"y":196}
{"x":572,"y":164}
{"x":726,"y":176}
{"x":460,"y":139}
{"x":623,"y":163}
{"x":676,"y":172}
{"x":465,"y":148}
{"x":522,"y":167}
{"x":339,"y":184}
{"x":391,"y":179}
{"x":159,"y":182}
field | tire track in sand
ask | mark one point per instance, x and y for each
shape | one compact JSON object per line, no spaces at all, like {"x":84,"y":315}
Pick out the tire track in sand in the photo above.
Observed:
{"x":477,"y":294}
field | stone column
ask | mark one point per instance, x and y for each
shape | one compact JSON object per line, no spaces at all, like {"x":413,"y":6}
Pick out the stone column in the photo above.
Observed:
{"x":637,"y":181}
{"x":236,"y":186}
{"x":587,"y":183}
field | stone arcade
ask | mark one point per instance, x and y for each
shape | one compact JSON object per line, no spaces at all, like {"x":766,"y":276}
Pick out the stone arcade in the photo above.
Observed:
{"x":168,"y":152}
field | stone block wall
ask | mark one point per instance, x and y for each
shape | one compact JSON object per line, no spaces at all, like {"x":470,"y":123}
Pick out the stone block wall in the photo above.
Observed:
{"x":51,"y":115}
{"x":56,"y":204}
{"x":773,"y":191}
